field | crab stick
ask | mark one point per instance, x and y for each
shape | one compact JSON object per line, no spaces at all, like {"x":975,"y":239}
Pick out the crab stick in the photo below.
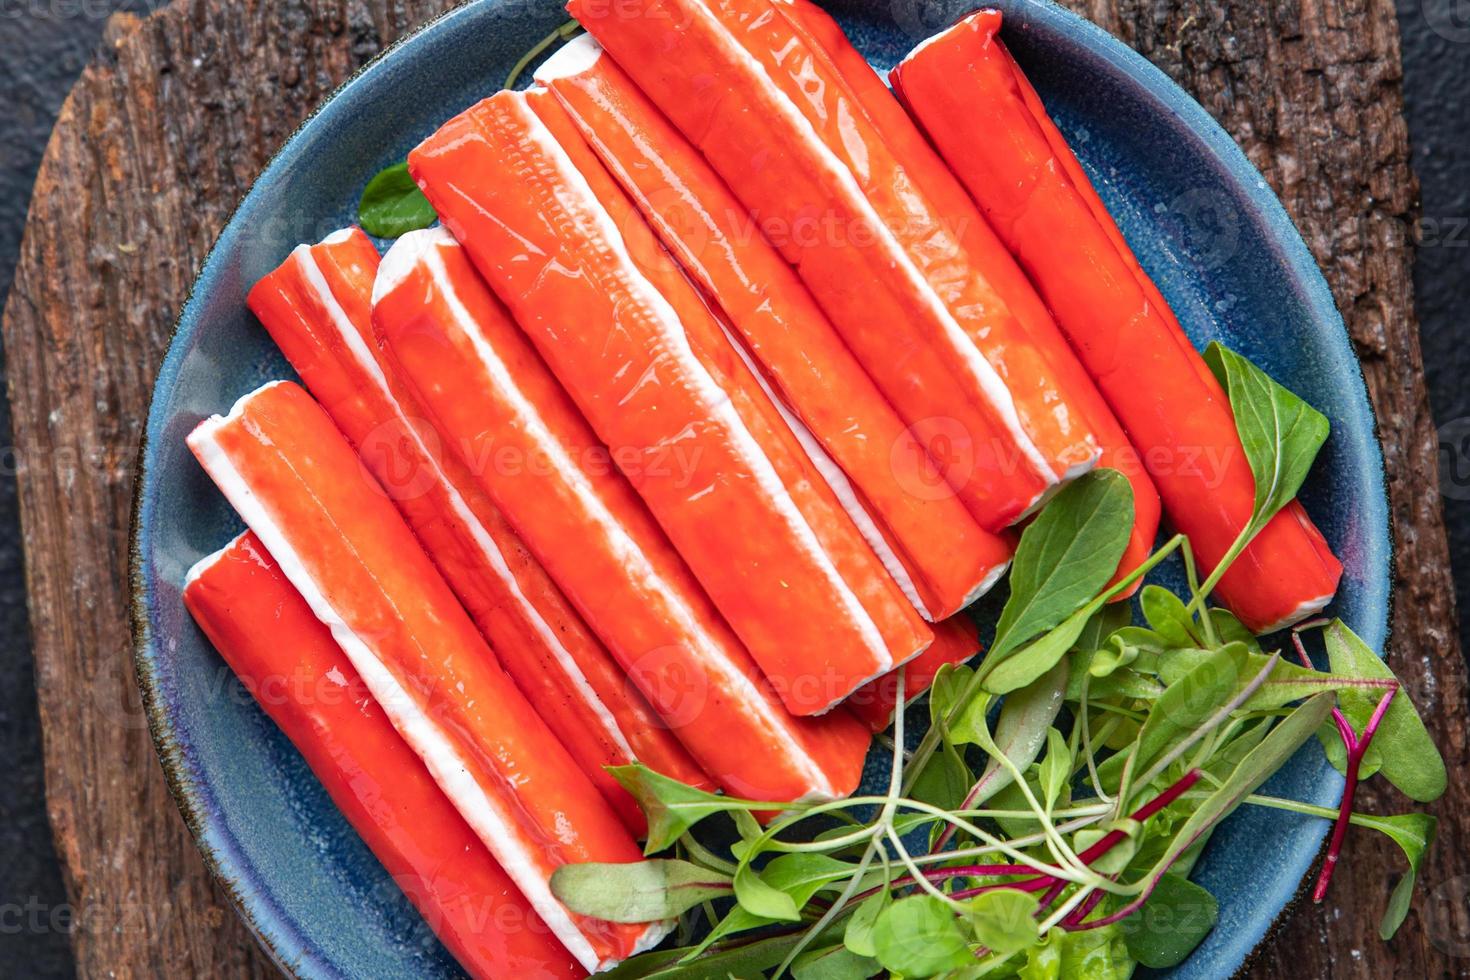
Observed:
{"x":933,"y":547}
{"x":954,"y":203}
{"x":660,"y":381}
{"x":964,"y":87}
{"x":317,"y":307}
{"x":929,"y":323}
{"x":955,"y":640}
{"x":289,"y":473}
{"x":293,"y":667}
{"x":490,"y":395}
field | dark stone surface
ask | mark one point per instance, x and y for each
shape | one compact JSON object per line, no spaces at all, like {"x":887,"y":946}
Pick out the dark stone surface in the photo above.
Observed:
{"x":1436,"y":43}
{"x":45,"y":43}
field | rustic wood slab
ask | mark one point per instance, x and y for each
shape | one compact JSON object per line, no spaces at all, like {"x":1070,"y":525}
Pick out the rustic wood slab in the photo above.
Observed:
{"x":180,"y":111}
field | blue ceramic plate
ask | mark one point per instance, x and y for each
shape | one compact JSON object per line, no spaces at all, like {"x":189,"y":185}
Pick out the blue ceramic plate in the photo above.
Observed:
{"x":1198,"y":214}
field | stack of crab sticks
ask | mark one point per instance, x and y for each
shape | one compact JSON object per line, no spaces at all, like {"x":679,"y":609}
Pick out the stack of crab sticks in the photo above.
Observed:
{"x":317,"y":307}
{"x":341,"y":544}
{"x":267,"y":633}
{"x":488,"y":392}
{"x":934,"y":548}
{"x":963,"y":87}
{"x":640,"y":353}
{"x":719,"y":394}
{"x":834,"y":170}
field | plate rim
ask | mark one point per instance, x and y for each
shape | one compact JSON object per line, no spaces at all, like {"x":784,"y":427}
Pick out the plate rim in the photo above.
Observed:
{"x":275,"y":932}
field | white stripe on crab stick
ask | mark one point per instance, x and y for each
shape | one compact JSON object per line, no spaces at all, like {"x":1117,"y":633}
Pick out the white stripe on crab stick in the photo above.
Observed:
{"x":630,"y":556}
{"x":363,"y":355}
{"x":1302,"y":611}
{"x":208,"y":561}
{"x":836,"y":480}
{"x":448,"y":767}
{"x":989,"y":382}
{"x":583,"y":204}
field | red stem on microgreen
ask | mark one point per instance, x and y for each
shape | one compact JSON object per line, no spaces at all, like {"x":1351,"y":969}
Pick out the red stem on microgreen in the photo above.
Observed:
{"x":1081,"y":912}
{"x":1048,"y":883}
{"x":1356,"y":747}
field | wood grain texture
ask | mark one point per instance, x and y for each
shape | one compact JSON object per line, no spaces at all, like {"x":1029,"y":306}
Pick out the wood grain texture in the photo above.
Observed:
{"x":160,"y":138}
{"x":180,"y":111}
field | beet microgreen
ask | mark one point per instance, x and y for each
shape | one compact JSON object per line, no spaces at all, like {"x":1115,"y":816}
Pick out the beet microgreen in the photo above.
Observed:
{"x":1068,"y":781}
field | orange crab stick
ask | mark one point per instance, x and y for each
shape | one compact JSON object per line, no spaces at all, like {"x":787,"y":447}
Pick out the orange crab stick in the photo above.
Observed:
{"x":772,"y":117}
{"x":955,"y":641}
{"x":954,"y":202}
{"x":964,"y":87}
{"x":299,"y":486}
{"x":289,"y":661}
{"x":317,"y":307}
{"x":935,"y":550}
{"x":652,"y":370}
{"x":492,"y":397}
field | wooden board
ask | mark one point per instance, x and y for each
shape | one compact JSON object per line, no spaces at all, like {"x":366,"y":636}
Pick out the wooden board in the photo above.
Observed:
{"x":177,"y":114}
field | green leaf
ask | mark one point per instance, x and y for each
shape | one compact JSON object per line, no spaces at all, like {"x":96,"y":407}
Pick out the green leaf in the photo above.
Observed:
{"x":759,"y":898}
{"x":1190,"y":700}
{"x":919,"y":937}
{"x":1286,"y":683}
{"x":859,"y":934}
{"x":670,"y":806}
{"x":745,"y":959}
{"x":1258,"y":765}
{"x":1118,"y":856}
{"x":795,"y":878}
{"x":392,"y":204}
{"x":1033,"y":660}
{"x":1112,"y":617}
{"x":1021,"y":729}
{"x":1414,"y":833}
{"x":1044,"y":961}
{"x":1056,"y":768}
{"x":1065,"y":557}
{"x":1281,"y":434}
{"x":1117,"y":653}
{"x":1406,"y":754}
{"x":1004,"y":919}
{"x":944,"y":780}
{"x":1168,"y":617}
{"x":1094,"y":954}
{"x":1175,"y":919}
{"x":801,"y":875}
{"x":1231,"y":630}
{"x":833,"y":963}
{"x":946,"y":690}
{"x":643,"y":891}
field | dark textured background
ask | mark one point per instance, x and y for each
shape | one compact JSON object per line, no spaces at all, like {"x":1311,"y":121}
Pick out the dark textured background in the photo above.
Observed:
{"x":45,"y":43}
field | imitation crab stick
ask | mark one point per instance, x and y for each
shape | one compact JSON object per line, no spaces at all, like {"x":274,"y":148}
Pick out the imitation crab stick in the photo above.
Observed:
{"x":659,"y":380}
{"x":289,"y":661}
{"x":299,"y":486}
{"x":770,"y":114}
{"x":958,"y":211}
{"x":955,"y":640}
{"x":317,"y":307}
{"x":964,"y":87}
{"x":490,"y":395}
{"x":933,"y":547}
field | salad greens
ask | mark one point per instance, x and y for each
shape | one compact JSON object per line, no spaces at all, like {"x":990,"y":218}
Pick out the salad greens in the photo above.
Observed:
{"x":392,"y":204}
{"x":1045,"y":825}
